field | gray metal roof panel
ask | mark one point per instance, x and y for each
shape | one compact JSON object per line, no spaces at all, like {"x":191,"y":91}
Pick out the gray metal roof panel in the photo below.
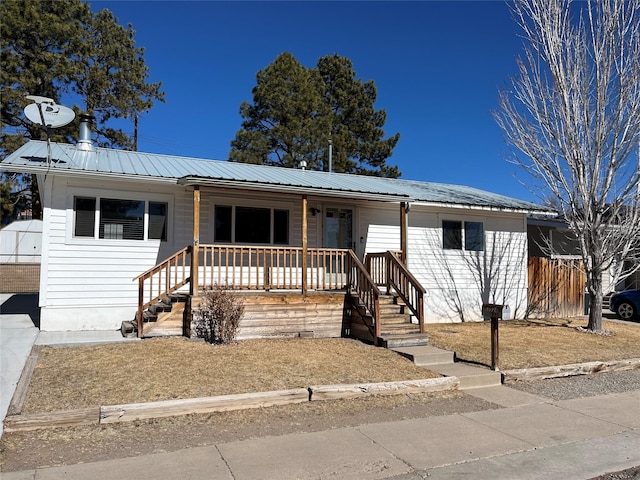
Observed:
{"x":32,"y":157}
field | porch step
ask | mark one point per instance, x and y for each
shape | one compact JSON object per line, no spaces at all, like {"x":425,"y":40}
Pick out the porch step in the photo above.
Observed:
{"x":403,"y":340}
{"x":426,"y":355}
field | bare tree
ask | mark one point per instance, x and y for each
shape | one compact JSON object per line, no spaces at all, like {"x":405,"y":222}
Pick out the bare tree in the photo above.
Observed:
{"x":573,"y":115}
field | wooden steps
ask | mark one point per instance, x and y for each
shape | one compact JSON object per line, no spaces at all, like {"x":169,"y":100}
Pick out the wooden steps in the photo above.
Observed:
{"x":397,"y":328}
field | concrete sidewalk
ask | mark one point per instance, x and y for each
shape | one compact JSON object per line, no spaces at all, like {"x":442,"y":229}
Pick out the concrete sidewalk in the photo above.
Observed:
{"x":572,"y":439}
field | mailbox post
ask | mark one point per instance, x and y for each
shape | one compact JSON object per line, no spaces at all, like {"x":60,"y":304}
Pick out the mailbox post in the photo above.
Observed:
{"x":494,"y":312}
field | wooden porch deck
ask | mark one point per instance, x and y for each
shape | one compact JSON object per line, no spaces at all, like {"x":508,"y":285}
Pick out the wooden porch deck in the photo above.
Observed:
{"x":330,"y":293}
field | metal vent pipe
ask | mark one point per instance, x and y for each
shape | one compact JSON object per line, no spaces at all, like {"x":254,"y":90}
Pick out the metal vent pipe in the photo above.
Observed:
{"x":84,"y":142}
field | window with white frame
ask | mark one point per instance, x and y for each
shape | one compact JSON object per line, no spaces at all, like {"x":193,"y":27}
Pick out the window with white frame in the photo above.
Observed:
{"x":245,"y":224}
{"x":119,"y":219}
{"x":454,"y":236}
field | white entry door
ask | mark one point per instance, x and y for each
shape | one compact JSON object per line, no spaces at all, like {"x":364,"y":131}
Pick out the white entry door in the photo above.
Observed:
{"x":338,"y":228}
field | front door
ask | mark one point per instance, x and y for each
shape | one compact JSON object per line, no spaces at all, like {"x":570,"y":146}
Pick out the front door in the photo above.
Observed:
{"x":338,"y":228}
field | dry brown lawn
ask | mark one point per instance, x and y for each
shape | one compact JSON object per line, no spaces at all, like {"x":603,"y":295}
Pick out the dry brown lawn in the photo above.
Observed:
{"x":174,"y":368}
{"x":537,"y":343}
{"x":163,"y":369}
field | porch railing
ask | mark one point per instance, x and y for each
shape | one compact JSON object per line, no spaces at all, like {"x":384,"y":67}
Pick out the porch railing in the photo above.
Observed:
{"x":360,"y":283}
{"x":161,"y":280}
{"x":266,"y":268}
{"x":388,"y":270}
{"x":242,"y":268}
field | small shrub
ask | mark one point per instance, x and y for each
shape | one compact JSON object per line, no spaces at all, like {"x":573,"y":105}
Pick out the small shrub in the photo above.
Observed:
{"x":217,"y":318}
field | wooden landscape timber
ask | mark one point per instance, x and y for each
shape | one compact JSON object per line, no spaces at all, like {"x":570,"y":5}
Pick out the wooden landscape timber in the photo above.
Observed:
{"x":334,"y":392}
{"x":20,"y":394}
{"x":541,"y":373}
{"x":224,"y":403}
{"x":66,"y":418}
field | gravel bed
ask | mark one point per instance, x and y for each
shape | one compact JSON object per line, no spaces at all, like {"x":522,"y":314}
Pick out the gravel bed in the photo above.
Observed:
{"x":566,"y":388}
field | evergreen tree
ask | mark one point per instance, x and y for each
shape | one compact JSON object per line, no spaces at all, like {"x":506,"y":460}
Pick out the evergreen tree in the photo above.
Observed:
{"x":56,"y":48}
{"x":297,"y":112}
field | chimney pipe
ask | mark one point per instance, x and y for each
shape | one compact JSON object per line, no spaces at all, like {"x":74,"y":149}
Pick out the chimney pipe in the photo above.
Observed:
{"x":84,"y":142}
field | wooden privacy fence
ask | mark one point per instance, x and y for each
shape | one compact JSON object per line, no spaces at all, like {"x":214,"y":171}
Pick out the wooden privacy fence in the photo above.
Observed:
{"x":556,"y":287}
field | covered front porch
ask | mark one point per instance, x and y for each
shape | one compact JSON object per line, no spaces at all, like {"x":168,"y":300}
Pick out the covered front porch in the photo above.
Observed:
{"x":347,"y":297}
{"x":290,"y":272}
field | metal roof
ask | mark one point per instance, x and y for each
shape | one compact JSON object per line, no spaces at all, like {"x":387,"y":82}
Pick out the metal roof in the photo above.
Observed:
{"x":69,"y":160}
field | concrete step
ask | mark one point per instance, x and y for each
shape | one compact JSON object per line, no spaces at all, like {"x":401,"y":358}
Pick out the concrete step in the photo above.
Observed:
{"x":403,"y":340}
{"x":426,"y":355}
{"x":469,"y":376}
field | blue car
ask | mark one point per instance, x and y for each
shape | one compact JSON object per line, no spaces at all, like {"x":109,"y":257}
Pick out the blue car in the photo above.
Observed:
{"x":626,"y":304}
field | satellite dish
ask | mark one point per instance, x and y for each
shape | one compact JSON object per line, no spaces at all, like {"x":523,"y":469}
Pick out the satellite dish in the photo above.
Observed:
{"x":48,"y":114}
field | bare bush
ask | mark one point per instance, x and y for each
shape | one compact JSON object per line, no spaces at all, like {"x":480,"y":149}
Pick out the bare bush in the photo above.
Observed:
{"x":218,"y":316}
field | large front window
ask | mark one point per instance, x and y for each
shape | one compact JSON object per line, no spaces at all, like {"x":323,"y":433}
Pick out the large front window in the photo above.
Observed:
{"x":251,"y":225}
{"x":120,"y":219}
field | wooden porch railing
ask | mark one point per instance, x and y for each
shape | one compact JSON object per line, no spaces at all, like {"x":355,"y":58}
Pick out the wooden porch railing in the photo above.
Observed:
{"x":266,"y":268}
{"x":242,"y":268}
{"x":387,"y":269}
{"x":161,"y":280}
{"x":360,"y":283}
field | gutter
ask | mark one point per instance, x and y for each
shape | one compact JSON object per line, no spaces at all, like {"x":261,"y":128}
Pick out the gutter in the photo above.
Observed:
{"x":282,"y":188}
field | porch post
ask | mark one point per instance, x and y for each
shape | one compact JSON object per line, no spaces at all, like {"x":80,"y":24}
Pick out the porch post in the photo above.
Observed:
{"x":404,"y":208}
{"x":193,"y":285}
{"x":305,"y":245}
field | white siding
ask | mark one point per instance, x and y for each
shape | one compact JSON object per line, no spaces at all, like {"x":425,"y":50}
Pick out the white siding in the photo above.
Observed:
{"x":457,"y":281}
{"x":88,"y":283}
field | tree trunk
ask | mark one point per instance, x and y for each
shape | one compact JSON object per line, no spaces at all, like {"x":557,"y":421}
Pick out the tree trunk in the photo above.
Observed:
{"x":594,"y":288}
{"x":36,"y":205}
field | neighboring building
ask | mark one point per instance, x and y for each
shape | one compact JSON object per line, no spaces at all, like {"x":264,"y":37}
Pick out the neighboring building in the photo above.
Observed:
{"x":111,"y":215}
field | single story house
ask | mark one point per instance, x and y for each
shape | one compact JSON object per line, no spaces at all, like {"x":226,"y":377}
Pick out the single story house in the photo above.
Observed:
{"x":120,"y":229}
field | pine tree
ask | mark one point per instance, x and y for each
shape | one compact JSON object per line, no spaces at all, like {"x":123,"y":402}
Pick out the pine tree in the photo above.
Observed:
{"x":297,"y":112}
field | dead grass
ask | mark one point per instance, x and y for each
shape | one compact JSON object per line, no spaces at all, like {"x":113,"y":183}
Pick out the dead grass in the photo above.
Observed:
{"x":537,"y":343}
{"x":163,"y":369}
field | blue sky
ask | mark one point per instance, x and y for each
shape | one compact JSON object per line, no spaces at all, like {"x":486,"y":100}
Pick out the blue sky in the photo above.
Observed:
{"x":437,"y":67}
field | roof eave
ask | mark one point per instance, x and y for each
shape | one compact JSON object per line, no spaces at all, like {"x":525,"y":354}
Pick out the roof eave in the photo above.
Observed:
{"x":283,"y":188}
{"x":486,"y":208}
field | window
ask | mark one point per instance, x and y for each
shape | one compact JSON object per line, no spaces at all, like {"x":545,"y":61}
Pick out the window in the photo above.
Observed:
{"x":251,"y":225}
{"x":222,"y":222}
{"x":85,"y":213}
{"x":120,"y":219}
{"x":158,"y":221}
{"x":474,"y":236}
{"x":452,"y":233}
{"x":281,"y":227}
